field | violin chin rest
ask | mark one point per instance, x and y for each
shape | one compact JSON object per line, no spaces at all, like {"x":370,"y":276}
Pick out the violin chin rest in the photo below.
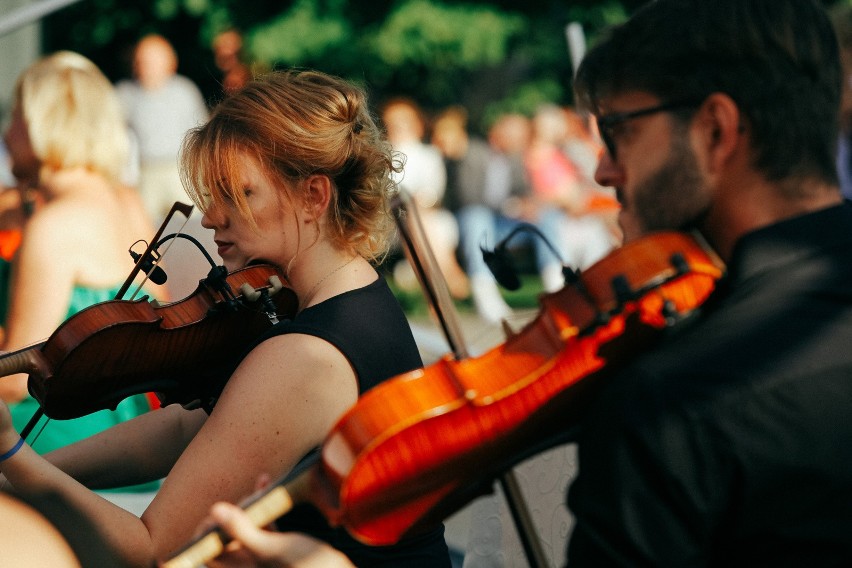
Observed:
{"x":275,"y":285}
{"x":248,"y":292}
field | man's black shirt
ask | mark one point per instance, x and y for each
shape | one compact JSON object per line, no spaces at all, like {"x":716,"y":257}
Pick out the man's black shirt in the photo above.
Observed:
{"x":731,"y":443}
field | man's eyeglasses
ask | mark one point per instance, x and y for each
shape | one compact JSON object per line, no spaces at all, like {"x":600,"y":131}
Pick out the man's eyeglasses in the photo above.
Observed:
{"x":608,"y":123}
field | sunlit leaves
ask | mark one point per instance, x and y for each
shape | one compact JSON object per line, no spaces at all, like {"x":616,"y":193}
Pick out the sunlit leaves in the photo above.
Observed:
{"x":421,"y":32}
{"x":303,"y":32}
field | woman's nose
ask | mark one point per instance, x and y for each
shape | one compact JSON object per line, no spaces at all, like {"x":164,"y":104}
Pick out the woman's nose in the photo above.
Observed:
{"x":213,"y":218}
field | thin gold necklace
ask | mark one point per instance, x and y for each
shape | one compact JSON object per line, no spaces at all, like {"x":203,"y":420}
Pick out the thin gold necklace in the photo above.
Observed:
{"x":309,"y":296}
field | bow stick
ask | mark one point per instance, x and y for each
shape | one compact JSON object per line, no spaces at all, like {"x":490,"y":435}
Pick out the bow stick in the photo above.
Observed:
{"x":434,"y":286}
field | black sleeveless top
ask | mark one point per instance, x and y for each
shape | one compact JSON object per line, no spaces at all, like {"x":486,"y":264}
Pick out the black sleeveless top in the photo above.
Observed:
{"x":368,"y":326}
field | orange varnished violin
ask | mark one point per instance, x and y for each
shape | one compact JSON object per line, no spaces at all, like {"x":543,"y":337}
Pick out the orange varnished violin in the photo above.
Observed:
{"x":418,"y":447}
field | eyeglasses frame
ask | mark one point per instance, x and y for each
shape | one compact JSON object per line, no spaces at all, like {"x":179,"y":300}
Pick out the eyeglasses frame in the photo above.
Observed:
{"x":609,"y":121}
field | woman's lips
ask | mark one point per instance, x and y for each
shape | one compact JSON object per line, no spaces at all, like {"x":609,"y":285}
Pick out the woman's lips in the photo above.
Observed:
{"x":223,"y":247}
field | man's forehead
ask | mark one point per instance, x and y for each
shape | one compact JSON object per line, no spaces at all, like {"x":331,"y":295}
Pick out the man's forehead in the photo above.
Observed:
{"x":623,"y":101}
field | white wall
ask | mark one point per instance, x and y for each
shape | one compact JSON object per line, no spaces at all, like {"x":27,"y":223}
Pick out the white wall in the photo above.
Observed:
{"x":18,"y":49}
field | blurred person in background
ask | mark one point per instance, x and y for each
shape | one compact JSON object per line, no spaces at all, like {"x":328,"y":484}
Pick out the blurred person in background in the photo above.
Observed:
{"x":160,"y":106}
{"x":229,"y":59}
{"x":68,"y":148}
{"x":563,"y":191}
{"x":512,"y":199}
{"x":424,"y":178}
{"x":468,"y":161}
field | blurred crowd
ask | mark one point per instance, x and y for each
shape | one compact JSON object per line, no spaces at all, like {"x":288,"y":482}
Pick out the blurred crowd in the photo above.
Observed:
{"x":472,"y":191}
{"x":473,"y":185}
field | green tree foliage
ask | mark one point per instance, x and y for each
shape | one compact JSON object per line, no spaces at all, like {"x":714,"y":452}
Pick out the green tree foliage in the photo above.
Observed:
{"x":490,"y":56}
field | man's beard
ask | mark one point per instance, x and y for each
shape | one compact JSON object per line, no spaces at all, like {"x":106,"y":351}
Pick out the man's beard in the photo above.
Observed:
{"x":675,"y":197}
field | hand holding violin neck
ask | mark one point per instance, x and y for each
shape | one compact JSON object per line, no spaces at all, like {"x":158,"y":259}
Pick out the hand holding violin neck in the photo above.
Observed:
{"x":263,"y":507}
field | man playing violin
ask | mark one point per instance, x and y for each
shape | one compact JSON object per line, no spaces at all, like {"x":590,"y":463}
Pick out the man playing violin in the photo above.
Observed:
{"x":729,"y":443}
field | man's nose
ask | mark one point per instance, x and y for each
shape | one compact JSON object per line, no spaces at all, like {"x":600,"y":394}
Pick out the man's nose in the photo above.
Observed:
{"x":608,"y":173}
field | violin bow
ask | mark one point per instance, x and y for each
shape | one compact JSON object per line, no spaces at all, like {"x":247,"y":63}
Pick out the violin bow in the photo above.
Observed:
{"x":434,"y":284}
{"x":178,"y":207}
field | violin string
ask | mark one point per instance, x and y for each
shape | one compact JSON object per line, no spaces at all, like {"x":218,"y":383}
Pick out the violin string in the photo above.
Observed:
{"x":156,"y":262}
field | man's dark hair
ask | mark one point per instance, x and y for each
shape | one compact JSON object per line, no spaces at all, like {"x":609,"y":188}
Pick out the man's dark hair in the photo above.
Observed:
{"x":777,"y":59}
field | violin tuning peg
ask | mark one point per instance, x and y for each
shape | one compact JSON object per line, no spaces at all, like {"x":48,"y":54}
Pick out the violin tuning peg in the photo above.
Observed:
{"x":249,"y":293}
{"x":274,"y":285}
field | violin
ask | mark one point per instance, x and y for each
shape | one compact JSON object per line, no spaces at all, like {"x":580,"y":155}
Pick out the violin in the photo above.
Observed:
{"x":115,"y":349}
{"x":183,"y":351}
{"x":417,"y":447}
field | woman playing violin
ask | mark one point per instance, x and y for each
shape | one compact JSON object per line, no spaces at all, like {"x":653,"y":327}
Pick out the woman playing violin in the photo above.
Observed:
{"x":291,"y":171}
{"x":68,"y":147}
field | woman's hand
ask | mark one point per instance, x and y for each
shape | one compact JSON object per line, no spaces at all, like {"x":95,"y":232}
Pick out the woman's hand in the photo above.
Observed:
{"x":264,"y":547}
{"x":253,"y":546}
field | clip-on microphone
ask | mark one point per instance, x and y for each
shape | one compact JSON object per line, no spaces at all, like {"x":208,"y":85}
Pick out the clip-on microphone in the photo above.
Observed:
{"x":155,"y":274}
{"x":500,"y":262}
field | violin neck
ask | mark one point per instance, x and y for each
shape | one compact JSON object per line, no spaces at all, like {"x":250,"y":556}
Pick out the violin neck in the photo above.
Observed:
{"x":28,"y":360}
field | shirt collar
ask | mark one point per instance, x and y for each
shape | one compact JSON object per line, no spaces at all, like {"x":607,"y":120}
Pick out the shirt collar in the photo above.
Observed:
{"x":788,"y":241}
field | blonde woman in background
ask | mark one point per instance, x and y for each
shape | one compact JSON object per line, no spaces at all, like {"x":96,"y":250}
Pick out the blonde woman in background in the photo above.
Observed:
{"x":68,"y":147}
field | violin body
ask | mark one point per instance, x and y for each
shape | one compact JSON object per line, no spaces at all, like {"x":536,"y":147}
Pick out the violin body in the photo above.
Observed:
{"x":418,"y":447}
{"x":119,"y":348}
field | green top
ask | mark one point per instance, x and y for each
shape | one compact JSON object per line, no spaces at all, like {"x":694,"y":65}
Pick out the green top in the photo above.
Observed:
{"x":58,"y":433}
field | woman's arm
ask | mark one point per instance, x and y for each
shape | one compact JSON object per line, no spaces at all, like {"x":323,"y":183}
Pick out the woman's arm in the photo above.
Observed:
{"x":136,"y":451}
{"x":279,"y":404}
{"x":30,"y":474}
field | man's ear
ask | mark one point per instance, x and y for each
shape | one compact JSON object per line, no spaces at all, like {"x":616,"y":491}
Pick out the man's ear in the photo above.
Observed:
{"x":318,"y":192}
{"x":720,"y":131}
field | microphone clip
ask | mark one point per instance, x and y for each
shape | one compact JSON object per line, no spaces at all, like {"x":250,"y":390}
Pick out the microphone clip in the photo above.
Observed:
{"x":149,"y":264}
{"x":500,"y":264}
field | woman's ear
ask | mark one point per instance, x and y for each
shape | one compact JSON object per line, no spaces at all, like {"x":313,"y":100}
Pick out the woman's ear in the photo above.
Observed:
{"x":318,"y":192}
